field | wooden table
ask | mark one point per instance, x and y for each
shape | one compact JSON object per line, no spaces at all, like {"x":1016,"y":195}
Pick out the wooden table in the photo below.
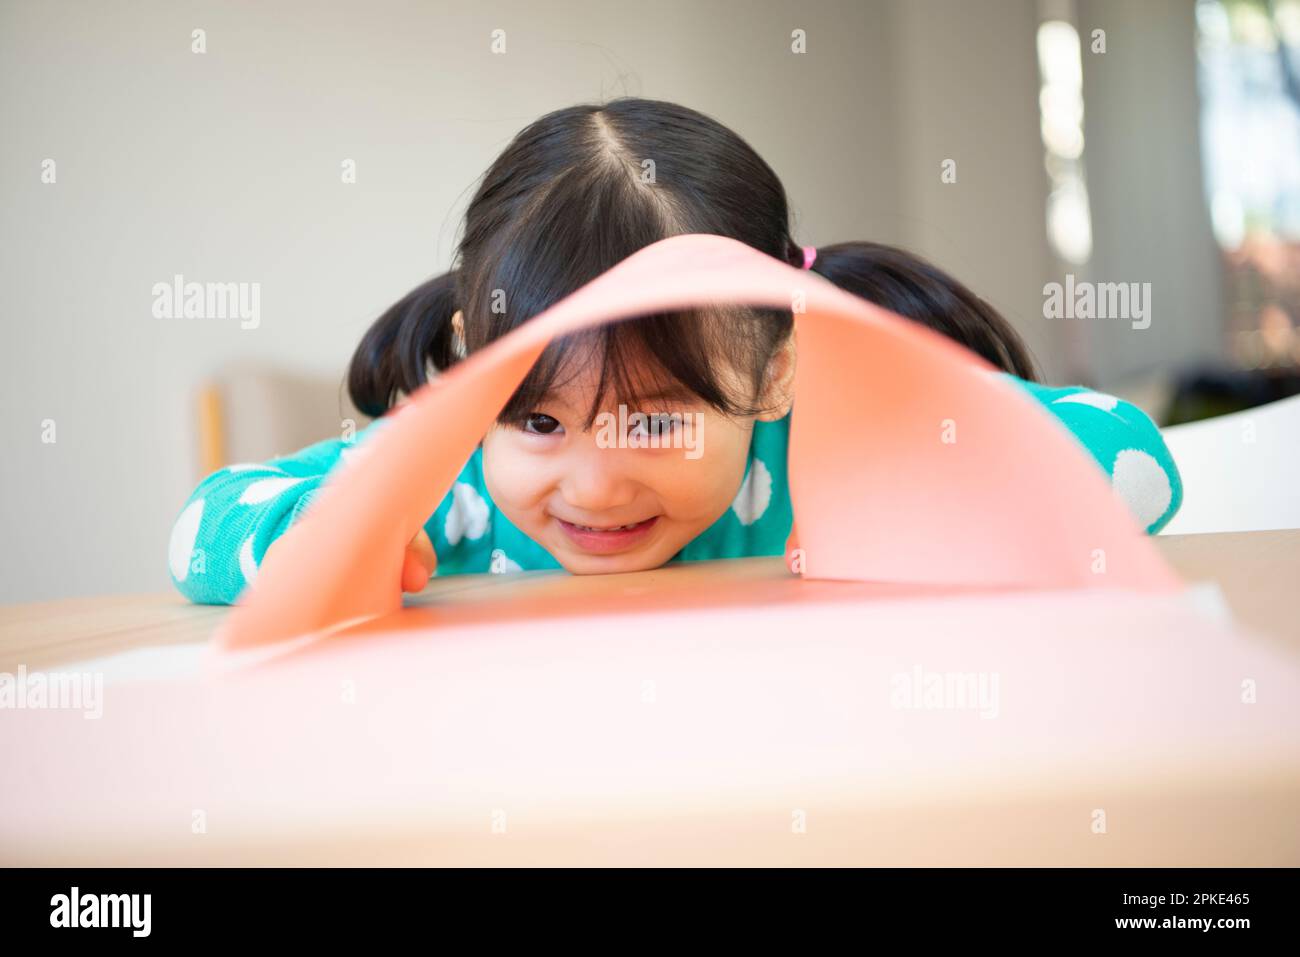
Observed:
{"x":1258,"y":573}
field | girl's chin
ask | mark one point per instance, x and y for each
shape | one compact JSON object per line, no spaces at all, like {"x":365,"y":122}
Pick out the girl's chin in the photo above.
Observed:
{"x":644,"y":556}
{"x":607,"y":565}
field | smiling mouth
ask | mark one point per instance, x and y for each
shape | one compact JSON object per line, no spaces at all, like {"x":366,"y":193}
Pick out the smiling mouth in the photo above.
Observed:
{"x":607,"y":528}
{"x":604,"y":539}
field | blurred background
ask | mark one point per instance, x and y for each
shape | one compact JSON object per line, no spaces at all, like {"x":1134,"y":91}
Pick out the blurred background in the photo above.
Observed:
{"x":326,"y":150}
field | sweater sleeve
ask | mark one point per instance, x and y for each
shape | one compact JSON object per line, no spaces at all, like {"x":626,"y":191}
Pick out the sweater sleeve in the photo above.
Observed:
{"x":1125,"y":442}
{"x":231,"y":519}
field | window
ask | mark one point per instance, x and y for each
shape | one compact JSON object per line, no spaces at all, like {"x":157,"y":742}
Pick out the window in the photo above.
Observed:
{"x":1249,"y":73}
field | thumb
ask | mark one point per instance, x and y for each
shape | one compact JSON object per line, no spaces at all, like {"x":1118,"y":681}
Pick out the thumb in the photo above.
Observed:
{"x":419,"y":563}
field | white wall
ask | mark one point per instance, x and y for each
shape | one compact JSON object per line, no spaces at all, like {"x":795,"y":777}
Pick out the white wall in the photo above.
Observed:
{"x":225,"y":167}
{"x":1150,"y":220}
{"x":967,"y":88}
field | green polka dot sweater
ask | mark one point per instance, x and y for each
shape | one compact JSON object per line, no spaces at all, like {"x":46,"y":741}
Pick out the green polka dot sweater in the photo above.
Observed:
{"x":236,"y":513}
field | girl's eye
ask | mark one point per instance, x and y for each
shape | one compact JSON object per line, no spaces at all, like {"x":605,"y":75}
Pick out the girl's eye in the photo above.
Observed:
{"x":539,"y":424}
{"x":657,"y":424}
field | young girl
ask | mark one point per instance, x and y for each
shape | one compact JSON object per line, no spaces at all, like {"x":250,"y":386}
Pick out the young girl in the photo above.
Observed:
{"x":566,"y":201}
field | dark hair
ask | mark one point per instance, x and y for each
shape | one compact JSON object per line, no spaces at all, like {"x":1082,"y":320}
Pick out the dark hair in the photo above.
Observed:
{"x":906,"y":284}
{"x":572,"y":195}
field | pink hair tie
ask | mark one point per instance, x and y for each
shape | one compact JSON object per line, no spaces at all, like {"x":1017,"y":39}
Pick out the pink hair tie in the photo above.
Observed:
{"x":809,"y":255}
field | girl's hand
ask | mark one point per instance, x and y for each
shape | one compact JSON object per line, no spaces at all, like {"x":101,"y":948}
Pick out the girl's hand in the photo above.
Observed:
{"x":419,"y":563}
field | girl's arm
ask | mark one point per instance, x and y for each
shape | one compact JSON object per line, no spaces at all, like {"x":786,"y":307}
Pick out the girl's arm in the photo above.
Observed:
{"x":1125,"y":442}
{"x":237,"y":513}
{"x":231,"y":519}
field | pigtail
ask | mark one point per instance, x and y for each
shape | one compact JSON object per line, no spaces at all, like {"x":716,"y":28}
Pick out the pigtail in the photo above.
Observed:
{"x":908,"y":285}
{"x":397,"y":352}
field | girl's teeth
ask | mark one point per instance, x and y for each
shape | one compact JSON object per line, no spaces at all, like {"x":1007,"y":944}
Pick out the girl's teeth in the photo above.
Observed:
{"x":616,"y":528}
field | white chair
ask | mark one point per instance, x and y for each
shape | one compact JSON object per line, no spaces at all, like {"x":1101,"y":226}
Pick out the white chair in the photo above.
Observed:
{"x":1241,"y":472}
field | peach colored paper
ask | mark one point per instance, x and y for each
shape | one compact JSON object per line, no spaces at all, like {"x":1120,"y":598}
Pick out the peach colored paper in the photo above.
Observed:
{"x":658,"y":734}
{"x":1015,"y":501}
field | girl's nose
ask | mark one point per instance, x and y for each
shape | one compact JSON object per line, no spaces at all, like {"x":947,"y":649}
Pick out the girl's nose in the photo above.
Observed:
{"x":598,"y":480}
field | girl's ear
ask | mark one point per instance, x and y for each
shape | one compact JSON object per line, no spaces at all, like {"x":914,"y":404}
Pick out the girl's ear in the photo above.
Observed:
{"x":458,"y":330}
{"x":778,"y":379}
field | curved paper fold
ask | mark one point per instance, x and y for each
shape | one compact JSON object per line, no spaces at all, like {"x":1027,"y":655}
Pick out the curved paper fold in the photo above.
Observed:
{"x":909,"y":460}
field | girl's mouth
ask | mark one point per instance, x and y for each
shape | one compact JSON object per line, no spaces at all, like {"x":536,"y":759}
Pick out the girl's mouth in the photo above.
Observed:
{"x":607,"y":539}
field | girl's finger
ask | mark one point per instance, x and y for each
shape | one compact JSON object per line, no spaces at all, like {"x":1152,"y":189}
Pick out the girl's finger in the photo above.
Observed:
{"x":414,"y":575}
{"x":423,"y":549}
{"x":419,"y":563}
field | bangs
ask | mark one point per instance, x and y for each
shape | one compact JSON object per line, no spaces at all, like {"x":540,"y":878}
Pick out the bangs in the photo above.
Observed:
{"x":716,"y":355}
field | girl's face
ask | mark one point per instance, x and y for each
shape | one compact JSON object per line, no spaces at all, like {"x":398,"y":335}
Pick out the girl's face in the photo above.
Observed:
{"x":633,"y":490}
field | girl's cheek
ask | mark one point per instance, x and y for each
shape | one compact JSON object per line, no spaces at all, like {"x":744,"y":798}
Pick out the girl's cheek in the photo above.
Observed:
{"x":513,"y":476}
{"x":703,"y":480}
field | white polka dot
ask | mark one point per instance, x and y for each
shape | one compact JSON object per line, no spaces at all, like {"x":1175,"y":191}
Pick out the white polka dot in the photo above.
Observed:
{"x":1142,"y":484}
{"x":755,"y":494}
{"x":249,"y":466}
{"x":265,"y":489}
{"x":501,"y":564}
{"x":354,"y":453}
{"x":184,"y":533}
{"x":468,"y":515}
{"x":1098,"y":400}
{"x":247,"y":563}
